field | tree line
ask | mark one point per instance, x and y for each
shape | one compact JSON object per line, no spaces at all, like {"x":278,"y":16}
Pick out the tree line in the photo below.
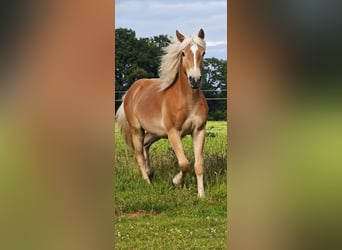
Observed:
{"x":137,"y":58}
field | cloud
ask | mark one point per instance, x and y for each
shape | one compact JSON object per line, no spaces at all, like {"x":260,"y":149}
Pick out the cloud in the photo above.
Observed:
{"x":149,"y":18}
{"x":215,"y":43}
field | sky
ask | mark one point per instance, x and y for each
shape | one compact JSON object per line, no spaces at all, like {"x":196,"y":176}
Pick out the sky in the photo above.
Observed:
{"x":150,"y":18}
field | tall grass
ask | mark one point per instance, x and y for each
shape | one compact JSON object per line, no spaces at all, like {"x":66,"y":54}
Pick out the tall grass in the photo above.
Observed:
{"x":170,"y":208}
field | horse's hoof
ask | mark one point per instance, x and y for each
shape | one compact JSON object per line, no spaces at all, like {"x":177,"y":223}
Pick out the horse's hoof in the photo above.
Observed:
{"x":178,"y":180}
{"x":173,"y":184}
{"x":151,"y":175}
{"x":177,"y":184}
{"x":201,"y":196}
{"x":147,"y":180}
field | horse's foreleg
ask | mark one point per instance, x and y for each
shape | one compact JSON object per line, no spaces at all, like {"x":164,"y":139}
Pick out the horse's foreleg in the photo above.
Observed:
{"x":138,"y":138}
{"x":198,"y":137}
{"x":184,"y":165}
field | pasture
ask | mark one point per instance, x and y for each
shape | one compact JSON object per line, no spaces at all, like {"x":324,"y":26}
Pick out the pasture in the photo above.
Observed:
{"x":161,"y":216}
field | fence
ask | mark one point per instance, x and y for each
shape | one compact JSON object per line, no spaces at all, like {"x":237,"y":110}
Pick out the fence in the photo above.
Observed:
{"x":204,"y":91}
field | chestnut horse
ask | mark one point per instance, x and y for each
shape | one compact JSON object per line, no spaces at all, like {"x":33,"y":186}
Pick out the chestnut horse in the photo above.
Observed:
{"x":169,"y":107}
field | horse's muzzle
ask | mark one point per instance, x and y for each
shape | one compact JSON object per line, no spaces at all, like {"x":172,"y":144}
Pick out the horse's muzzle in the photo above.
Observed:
{"x":195,"y":82}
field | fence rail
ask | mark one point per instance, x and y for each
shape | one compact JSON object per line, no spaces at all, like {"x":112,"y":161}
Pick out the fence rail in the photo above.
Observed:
{"x":205,"y":90}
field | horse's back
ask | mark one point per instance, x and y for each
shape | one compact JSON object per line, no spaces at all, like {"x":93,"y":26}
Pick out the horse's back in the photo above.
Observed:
{"x":141,"y":86}
{"x":144,"y":92}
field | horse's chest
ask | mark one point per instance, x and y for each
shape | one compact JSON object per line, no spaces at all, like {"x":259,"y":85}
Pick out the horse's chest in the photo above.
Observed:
{"x":190,"y":123}
{"x":185,"y":117}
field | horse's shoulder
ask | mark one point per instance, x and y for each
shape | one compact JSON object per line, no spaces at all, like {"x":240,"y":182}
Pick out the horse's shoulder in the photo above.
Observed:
{"x":203,"y":102}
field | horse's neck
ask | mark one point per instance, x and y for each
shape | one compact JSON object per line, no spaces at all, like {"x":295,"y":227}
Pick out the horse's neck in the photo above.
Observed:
{"x":184,"y":89}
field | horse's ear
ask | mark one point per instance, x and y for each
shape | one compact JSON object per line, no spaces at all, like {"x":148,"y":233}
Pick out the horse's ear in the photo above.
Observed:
{"x":180,"y":36}
{"x":201,"y":34}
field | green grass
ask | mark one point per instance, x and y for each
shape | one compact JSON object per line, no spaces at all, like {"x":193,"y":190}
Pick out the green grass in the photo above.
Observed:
{"x":161,"y":216}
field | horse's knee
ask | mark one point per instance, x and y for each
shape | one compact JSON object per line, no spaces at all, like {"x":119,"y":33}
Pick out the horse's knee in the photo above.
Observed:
{"x":184,"y":166}
{"x":199,"y":169}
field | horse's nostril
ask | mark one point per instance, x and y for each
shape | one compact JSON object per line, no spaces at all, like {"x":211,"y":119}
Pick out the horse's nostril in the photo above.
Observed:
{"x":190,"y":78}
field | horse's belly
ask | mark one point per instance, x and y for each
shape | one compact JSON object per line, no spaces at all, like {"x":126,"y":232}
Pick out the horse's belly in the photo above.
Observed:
{"x":155,"y":127}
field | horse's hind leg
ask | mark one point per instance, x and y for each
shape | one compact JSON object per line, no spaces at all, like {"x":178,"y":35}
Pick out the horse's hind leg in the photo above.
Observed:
{"x":148,"y":168}
{"x":138,"y":138}
{"x":149,"y":139}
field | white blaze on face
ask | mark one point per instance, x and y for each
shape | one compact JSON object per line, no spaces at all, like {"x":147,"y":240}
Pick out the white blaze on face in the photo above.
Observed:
{"x":194,"y":72}
{"x":194,"y":48}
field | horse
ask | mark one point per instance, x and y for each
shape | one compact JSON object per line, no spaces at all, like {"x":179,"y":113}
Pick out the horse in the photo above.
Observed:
{"x":171,"y":107}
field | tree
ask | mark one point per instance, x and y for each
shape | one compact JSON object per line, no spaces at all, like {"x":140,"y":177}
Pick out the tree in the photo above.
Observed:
{"x":125,"y":42}
{"x":160,"y":41}
{"x":215,"y":81}
{"x":136,"y":58}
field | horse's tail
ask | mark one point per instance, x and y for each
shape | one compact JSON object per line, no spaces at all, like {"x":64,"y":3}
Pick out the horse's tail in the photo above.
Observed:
{"x":121,"y":120}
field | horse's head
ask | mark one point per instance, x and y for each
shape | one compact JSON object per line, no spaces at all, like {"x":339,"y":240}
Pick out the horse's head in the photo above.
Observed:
{"x":192,"y":58}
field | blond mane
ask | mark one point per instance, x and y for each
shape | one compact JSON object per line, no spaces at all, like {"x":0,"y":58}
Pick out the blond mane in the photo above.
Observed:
{"x":170,"y":60}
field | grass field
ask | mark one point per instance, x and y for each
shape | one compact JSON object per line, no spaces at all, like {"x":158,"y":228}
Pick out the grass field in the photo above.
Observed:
{"x":161,"y":216}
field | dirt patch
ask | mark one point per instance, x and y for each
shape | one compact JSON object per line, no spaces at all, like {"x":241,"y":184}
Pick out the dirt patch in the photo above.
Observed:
{"x":136,"y":214}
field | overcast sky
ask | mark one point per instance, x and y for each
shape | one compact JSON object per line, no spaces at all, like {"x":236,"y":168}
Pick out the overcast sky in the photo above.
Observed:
{"x":150,"y":18}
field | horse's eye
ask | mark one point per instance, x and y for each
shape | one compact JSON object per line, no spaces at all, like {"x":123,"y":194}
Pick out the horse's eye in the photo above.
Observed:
{"x":203,"y":54}
{"x":183,"y":54}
